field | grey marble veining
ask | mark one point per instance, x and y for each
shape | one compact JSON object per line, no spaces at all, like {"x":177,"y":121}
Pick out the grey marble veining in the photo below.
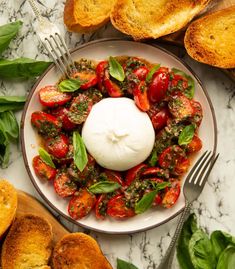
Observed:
{"x":215,"y":207}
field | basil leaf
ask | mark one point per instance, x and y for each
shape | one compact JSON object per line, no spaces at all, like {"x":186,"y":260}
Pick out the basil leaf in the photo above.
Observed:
{"x":7,"y":33}
{"x":121,"y":264}
{"x":186,"y":135}
{"x":80,"y":155}
{"x":9,"y":124}
{"x":145,"y":202}
{"x":162,"y":186}
{"x":104,"y":187}
{"x":201,"y":251}
{"x":12,"y":99}
{"x":189,"y":92}
{"x":115,"y":69}
{"x":13,"y":106}
{"x":69,"y":85}
{"x":153,"y":158}
{"x":227,"y":258}
{"x":4,"y":149}
{"x":22,"y":68}
{"x":189,"y":227}
{"x":46,"y":157}
{"x":151,"y":72}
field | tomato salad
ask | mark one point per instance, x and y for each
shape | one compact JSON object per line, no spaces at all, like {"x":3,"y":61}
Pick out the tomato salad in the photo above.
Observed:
{"x":165,"y":94}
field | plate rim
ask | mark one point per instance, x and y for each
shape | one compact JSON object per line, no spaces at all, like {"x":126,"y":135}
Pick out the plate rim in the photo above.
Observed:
{"x":22,"y":138}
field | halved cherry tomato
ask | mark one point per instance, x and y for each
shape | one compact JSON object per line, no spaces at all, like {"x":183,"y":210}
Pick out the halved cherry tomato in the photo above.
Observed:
{"x":58,"y":146}
{"x":80,"y":109}
{"x":197,"y":112}
{"x":50,"y":96}
{"x":114,"y":176}
{"x":155,"y":171}
{"x":94,"y":95}
{"x":117,"y":208}
{"x":141,"y":97}
{"x":178,"y":82}
{"x":43,"y":170}
{"x":134,"y":173}
{"x":171,"y":195}
{"x":159,"y":120}
{"x":112,"y":88}
{"x":88,"y":79}
{"x":182,"y":166}
{"x":158,"y":197}
{"x":101,"y":206}
{"x":159,"y":85}
{"x":81,"y":204}
{"x":46,"y":124}
{"x":100,"y":69}
{"x":61,"y":113}
{"x":180,"y":107}
{"x":63,"y":184}
{"x":195,"y":145}
{"x":141,"y":72}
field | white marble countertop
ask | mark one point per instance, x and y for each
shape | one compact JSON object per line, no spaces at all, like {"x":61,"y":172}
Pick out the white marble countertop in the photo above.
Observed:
{"x":215,"y":207}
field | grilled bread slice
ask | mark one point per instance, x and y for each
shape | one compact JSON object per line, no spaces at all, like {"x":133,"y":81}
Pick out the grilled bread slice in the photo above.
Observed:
{"x":86,"y":15}
{"x":28,"y":244}
{"x":8,"y":205}
{"x":78,"y":251}
{"x":152,"y":19}
{"x":211,"y":39}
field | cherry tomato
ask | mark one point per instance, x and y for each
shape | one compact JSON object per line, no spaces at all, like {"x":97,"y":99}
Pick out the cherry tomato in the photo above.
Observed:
{"x":178,"y":82}
{"x":58,"y":146}
{"x":182,"y":166}
{"x":112,"y":88}
{"x":94,"y":95}
{"x":114,"y":176}
{"x":159,"y":120}
{"x":171,"y":195}
{"x":180,"y":107}
{"x":101,"y":206}
{"x":117,"y":208}
{"x":141,"y":97}
{"x":100,"y":69}
{"x":88,"y":79}
{"x":81,"y":204}
{"x":155,"y":171}
{"x":61,"y":113}
{"x":43,"y":170}
{"x":134,"y":173}
{"x":159,"y":85}
{"x":50,"y":96}
{"x":195,"y":145}
{"x":63,"y":184}
{"x":80,"y":109}
{"x":141,"y":72}
{"x":46,"y":124}
{"x":197,"y":112}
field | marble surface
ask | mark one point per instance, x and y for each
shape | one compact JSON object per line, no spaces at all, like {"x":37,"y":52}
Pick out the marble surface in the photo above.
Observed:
{"x":215,"y":207}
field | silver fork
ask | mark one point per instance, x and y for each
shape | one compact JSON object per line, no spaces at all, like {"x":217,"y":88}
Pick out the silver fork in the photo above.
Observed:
{"x":193,"y":186}
{"x":54,"y":43}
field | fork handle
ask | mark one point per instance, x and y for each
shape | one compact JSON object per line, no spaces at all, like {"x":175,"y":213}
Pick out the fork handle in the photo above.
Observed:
{"x":169,"y":255}
{"x":35,"y":10}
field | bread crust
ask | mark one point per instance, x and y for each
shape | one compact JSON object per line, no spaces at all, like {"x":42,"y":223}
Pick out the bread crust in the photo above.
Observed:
{"x":152,"y":19}
{"x":28,"y":244}
{"x":78,"y":251}
{"x":211,"y":39}
{"x":8,"y":205}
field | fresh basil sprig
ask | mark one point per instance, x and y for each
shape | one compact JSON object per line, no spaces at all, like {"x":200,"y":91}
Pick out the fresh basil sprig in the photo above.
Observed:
{"x":80,"y":154}
{"x":186,"y":135}
{"x":121,"y":264}
{"x":7,"y":33}
{"x":46,"y":157}
{"x":4,"y":149}
{"x":151,"y":72}
{"x":189,"y":92}
{"x":153,"y":158}
{"x":69,"y":85}
{"x":104,"y":187}
{"x":11,"y":102}
{"x":115,"y":69}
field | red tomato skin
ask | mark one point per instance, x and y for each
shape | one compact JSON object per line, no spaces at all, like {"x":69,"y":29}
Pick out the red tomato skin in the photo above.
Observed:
{"x":195,"y":145}
{"x":58,"y":146}
{"x":98,"y":205}
{"x":197,"y":112}
{"x":141,"y":96}
{"x":141,"y":72}
{"x":49,"y":96}
{"x":63,"y":185}
{"x":81,"y":204}
{"x":176,"y":79}
{"x":111,"y":87}
{"x":61,"y":113}
{"x":45,"y":123}
{"x":171,"y":195}
{"x":159,"y":120}
{"x":182,"y":166}
{"x":155,"y":171}
{"x":114,"y":176}
{"x":116,"y":208}
{"x":158,"y":86}
{"x":43,"y":170}
{"x":100,"y":71}
{"x":90,"y":79}
{"x":134,"y":173}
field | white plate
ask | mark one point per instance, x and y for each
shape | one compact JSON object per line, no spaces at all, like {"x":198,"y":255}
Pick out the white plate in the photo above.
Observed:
{"x":99,"y":50}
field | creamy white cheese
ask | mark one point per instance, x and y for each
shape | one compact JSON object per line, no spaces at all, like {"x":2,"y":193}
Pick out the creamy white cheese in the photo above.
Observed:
{"x":117,"y":134}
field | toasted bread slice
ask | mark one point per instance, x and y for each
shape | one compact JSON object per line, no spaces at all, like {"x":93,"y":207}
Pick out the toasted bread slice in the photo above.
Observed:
{"x":154,"y":18}
{"x":86,"y":15}
{"x":8,"y":205}
{"x":211,"y":39}
{"x":78,"y":251}
{"x":28,"y":244}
